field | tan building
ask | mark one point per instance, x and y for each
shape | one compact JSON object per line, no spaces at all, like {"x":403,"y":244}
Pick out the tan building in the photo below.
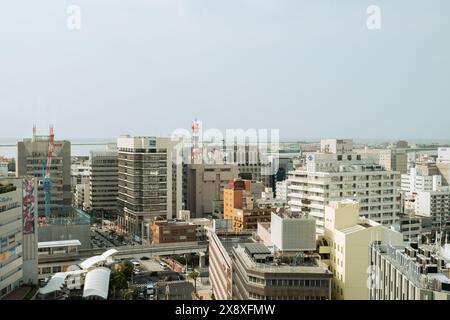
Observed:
{"x":392,"y":159}
{"x":204,"y":186}
{"x":246,"y":203}
{"x":346,"y":243}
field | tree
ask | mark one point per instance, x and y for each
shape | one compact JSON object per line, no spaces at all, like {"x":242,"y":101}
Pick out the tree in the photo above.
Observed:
{"x":127,"y":269}
{"x":117,"y":281}
{"x":194,"y":275}
{"x":129,"y":294}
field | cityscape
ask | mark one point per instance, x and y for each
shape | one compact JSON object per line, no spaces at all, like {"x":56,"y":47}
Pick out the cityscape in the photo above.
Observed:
{"x":201,"y":153}
{"x":332,"y":220}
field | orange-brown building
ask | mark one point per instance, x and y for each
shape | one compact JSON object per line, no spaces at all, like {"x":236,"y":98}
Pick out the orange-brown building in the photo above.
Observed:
{"x":241,"y":205}
{"x":173,"y":231}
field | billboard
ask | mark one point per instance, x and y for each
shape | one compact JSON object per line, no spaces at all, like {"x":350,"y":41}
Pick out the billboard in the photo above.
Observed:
{"x":28,"y":205}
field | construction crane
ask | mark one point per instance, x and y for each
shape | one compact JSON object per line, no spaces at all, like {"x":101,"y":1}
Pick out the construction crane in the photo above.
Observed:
{"x":46,"y":175}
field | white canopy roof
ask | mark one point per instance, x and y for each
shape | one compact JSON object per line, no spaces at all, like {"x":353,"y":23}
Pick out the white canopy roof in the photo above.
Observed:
{"x":92,"y":261}
{"x":97,"y":283}
{"x":57,"y":281}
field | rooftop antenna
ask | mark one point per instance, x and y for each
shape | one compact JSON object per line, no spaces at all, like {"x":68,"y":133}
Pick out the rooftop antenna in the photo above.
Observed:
{"x":195,"y":142}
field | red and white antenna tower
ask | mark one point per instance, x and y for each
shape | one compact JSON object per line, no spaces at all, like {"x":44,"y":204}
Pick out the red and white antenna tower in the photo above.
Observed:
{"x":195,"y":142}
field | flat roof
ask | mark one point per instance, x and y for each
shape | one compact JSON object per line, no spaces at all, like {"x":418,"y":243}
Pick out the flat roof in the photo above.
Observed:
{"x":62,"y":243}
{"x":256,"y":248}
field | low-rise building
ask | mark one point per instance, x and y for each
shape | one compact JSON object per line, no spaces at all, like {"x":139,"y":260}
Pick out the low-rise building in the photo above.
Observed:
{"x":172,"y":231}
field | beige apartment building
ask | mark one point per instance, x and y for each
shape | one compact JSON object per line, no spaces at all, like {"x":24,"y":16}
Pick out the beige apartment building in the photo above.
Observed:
{"x":346,"y":243}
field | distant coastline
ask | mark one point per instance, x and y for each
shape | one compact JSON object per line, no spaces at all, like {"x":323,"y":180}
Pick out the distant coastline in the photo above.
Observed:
{"x":80,"y":147}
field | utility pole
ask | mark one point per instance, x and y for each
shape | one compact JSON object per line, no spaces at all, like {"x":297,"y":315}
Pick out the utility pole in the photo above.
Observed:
{"x":185,"y":257}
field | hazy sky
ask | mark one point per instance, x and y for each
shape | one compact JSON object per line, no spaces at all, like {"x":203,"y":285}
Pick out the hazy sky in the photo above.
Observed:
{"x":309,"y":68}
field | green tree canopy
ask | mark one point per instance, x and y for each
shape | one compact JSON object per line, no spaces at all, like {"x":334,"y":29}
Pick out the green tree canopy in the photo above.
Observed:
{"x":127,"y":269}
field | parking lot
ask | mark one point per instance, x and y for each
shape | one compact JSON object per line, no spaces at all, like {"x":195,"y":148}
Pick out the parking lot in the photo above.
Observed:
{"x":102,"y":238}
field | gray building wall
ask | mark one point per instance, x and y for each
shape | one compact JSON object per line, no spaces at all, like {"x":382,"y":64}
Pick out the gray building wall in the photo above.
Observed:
{"x":66,"y":232}
{"x":30,"y":155}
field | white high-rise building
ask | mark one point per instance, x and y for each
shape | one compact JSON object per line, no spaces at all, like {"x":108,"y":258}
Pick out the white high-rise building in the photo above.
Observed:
{"x":337,"y":176}
{"x":434,"y":204}
{"x":415,"y":181}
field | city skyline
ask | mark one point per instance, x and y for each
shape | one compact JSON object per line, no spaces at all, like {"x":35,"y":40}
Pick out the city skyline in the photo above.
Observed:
{"x":216,"y":152}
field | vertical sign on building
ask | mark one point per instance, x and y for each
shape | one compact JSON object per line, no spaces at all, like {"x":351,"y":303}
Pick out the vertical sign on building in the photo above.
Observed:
{"x":28,"y":205}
